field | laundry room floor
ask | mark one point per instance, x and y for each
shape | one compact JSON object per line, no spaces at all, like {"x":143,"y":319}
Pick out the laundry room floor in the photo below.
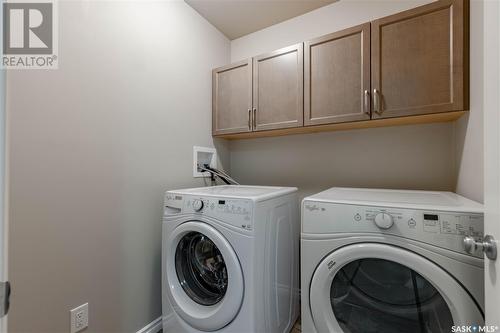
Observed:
{"x":296,"y":328}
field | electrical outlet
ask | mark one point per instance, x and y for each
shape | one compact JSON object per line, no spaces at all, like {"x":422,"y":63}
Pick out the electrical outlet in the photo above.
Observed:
{"x":79,"y":318}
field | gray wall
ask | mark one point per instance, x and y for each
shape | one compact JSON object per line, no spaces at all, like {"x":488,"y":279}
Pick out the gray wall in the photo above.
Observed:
{"x":414,"y":157}
{"x":336,"y":16}
{"x":430,"y":157}
{"x":469,"y":142}
{"x":93,"y":146}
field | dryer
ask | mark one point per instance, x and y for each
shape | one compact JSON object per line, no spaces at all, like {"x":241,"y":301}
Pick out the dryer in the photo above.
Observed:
{"x":390,"y":261}
{"x":230,"y":259}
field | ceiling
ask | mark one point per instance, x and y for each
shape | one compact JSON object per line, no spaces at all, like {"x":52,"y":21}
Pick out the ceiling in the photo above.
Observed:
{"x":236,"y":18}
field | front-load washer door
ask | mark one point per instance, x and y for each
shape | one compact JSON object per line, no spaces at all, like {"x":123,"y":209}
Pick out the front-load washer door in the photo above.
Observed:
{"x":371,"y":287}
{"x":204,"y":276}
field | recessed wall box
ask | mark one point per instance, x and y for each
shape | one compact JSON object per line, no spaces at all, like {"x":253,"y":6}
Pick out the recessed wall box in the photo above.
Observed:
{"x":202,"y":156}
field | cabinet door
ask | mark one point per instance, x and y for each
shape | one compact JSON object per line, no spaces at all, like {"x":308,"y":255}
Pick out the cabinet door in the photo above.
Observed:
{"x":419,"y":62}
{"x":232,"y":98}
{"x":337,"y":77}
{"x":278,"y":89}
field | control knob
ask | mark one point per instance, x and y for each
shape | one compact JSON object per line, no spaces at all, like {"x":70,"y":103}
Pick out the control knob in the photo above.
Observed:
{"x":384,"y":220}
{"x":197,"y":205}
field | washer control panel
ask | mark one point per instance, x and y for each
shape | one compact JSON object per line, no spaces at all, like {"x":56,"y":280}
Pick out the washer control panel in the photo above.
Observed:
{"x":443,"y":229}
{"x":236,"y":212}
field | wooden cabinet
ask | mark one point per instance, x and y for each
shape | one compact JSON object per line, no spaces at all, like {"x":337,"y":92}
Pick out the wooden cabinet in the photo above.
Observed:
{"x":337,"y":77}
{"x":232,"y":98}
{"x":278,"y":89}
{"x":277,"y":100}
{"x":419,"y":63}
{"x":407,"y":68}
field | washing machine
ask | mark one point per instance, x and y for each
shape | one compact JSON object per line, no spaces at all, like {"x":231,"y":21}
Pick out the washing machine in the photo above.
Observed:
{"x":230,"y":259}
{"x":390,"y":261}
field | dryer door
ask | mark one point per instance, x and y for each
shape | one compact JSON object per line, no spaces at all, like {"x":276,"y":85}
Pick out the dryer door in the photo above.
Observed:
{"x":370,"y":287}
{"x":204,"y":276}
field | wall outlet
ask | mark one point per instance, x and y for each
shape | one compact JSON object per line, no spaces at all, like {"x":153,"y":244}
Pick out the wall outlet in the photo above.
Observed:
{"x":79,"y":318}
{"x":202,"y":156}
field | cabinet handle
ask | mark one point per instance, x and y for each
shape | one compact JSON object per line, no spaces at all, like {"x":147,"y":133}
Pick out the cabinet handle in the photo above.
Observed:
{"x":376,"y":102}
{"x":367,"y":102}
{"x":250,"y":119}
{"x":254,"y":118}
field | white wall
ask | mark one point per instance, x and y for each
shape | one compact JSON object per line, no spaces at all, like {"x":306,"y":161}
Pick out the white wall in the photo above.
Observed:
{"x":392,"y":157}
{"x":469,"y":129}
{"x":337,"y":16}
{"x":93,"y":147}
{"x":417,"y":157}
{"x":94,"y":144}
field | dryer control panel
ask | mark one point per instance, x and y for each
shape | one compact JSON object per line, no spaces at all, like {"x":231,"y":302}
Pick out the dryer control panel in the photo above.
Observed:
{"x":236,"y":212}
{"x":442,"y":229}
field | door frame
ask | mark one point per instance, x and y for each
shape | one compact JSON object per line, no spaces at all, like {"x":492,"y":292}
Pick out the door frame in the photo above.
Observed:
{"x":491,"y":107}
{"x":3,"y":182}
{"x":462,"y":306}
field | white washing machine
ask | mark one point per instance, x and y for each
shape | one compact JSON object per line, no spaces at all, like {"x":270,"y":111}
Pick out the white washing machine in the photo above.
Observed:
{"x":230,"y":259}
{"x":390,"y":261}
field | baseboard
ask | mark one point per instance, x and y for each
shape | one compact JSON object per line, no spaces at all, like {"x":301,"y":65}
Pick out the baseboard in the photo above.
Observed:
{"x":152,"y":327}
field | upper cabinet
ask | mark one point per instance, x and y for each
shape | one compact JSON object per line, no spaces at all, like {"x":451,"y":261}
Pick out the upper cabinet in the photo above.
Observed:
{"x":418,"y":61}
{"x":278,"y":89}
{"x":232,"y":98}
{"x":337,"y":77}
{"x":407,"y":68}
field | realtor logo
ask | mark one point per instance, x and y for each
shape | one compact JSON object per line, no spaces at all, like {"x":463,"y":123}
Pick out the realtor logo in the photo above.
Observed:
{"x":29,"y":39}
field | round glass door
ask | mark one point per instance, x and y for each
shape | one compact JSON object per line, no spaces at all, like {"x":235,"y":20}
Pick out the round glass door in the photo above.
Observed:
{"x":373,"y":287}
{"x":377,"y":295}
{"x":204,"y":276}
{"x":201,"y":269}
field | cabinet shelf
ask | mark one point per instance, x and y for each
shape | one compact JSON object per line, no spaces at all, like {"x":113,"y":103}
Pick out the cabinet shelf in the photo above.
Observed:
{"x":399,"y":121}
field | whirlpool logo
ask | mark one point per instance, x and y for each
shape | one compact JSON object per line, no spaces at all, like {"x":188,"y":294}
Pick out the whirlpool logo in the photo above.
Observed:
{"x":474,"y":329}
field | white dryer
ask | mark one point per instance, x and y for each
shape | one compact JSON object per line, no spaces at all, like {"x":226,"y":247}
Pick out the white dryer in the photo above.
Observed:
{"x":390,"y":261}
{"x":230,"y":259}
